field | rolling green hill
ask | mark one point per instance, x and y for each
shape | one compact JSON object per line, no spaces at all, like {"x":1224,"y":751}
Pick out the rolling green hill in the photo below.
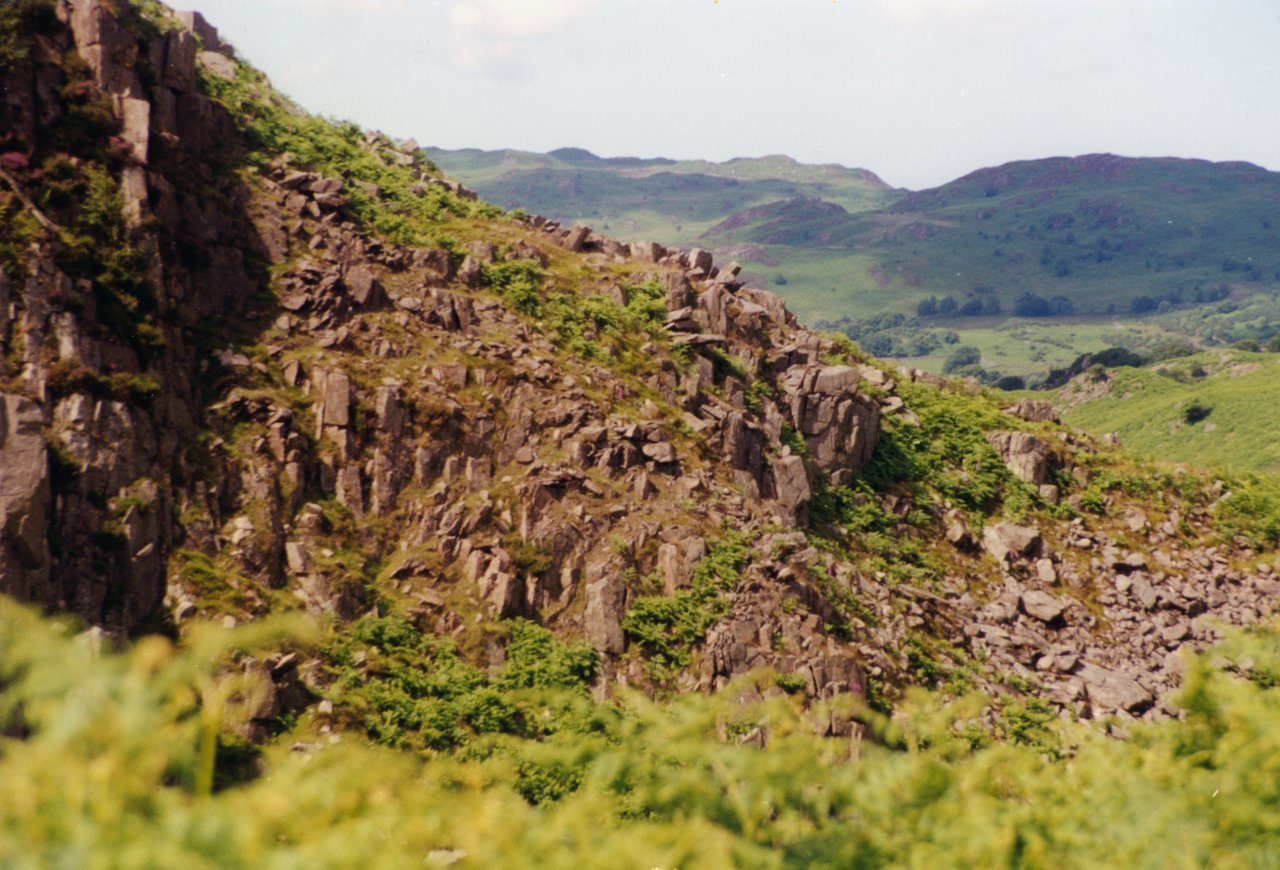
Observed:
{"x":1126,"y":244}
{"x":1216,"y":408}
{"x":1089,"y":235}
{"x":664,"y":200}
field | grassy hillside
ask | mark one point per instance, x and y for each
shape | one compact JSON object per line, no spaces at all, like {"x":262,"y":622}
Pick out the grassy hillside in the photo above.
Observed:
{"x":659,"y":199}
{"x":1217,"y":408}
{"x":1090,"y":235}
{"x":1153,"y":245}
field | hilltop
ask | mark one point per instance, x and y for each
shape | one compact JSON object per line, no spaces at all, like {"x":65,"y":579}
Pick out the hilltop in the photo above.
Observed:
{"x":387,"y":519}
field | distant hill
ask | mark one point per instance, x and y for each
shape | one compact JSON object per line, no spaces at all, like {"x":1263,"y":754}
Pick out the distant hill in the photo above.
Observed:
{"x":663,"y":200}
{"x":1056,"y":239}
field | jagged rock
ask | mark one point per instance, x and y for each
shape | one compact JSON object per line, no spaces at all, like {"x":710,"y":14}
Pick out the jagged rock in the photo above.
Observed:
{"x":840,"y":425}
{"x":334,"y":408}
{"x":575,"y":238}
{"x":363,"y":285}
{"x":791,"y":484}
{"x":297,"y":557}
{"x":389,"y":411}
{"x":24,"y":500}
{"x":1027,"y":457}
{"x":662,"y":452}
{"x":959,"y":536}
{"x":1034,"y":411}
{"x":606,"y":604}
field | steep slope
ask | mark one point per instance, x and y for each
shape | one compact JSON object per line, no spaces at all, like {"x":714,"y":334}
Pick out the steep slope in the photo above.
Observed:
{"x":262,"y":362}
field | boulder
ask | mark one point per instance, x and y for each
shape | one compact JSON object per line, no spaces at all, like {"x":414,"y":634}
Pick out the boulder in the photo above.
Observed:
{"x":1113,"y":690}
{"x":1004,"y":538}
{"x":1042,"y":606}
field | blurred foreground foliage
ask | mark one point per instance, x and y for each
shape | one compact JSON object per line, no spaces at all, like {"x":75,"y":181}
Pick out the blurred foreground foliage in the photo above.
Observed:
{"x":107,"y":760}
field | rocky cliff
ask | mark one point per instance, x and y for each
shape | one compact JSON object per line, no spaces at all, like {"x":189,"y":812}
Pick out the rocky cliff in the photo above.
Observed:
{"x":254,"y":361}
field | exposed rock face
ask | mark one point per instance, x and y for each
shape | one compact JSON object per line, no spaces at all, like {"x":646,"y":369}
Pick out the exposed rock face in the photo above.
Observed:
{"x":24,"y":500}
{"x":840,"y":425}
{"x":373,"y":422}
{"x":1029,"y":458}
{"x":110,"y":505}
{"x":1034,"y":411}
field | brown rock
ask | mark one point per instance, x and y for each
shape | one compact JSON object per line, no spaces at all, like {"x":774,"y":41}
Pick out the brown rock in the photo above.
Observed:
{"x":791,"y":484}
{"x":24,"y":499}
{"x":335,"y":400}
{"x":363,"y":285}
{"x":1034,"y":411}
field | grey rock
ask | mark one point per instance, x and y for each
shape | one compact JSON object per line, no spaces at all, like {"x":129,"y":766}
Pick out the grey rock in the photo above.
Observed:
{"x":1003,"y":538}
{"x":1042,"y":606}
{"x":1113,"y":690}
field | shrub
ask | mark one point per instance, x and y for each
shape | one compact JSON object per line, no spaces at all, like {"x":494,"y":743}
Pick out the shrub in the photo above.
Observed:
{"x":1195,"y":412}
{"x":962,"y":356}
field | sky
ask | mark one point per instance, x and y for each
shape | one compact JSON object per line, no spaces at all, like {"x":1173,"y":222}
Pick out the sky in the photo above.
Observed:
{"x":918,"y":91}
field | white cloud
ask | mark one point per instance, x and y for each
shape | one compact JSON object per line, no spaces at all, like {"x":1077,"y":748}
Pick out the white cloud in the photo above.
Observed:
{"x":997,"y":18}
{"x":494,"y":36}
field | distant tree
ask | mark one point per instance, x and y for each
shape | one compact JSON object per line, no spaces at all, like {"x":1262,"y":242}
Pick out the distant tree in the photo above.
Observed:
{"x":927,"y":307}
{"x":1062,"y":268}
{"x":993,"y":306}
{"x":963,"y":356}
{"x":780,"y":280}
{"x":1143,"y":305}
{"x":1062,"y":305}
{"x":1031,"y":305}
{"x":971,"y":308}
{"x":947,"y":306}
{"x":1011,"y":382}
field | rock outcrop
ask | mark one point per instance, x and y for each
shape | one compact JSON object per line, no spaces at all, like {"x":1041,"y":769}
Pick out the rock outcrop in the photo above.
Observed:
{"x":281,"y":406}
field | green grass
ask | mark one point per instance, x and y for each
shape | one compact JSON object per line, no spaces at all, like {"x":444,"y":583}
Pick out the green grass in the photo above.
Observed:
{"x":1146,"y":408}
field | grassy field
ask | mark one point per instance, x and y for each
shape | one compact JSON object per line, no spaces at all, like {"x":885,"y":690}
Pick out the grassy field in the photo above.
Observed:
{"x":1149,"y":409}
{"x":1028,"y":347}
